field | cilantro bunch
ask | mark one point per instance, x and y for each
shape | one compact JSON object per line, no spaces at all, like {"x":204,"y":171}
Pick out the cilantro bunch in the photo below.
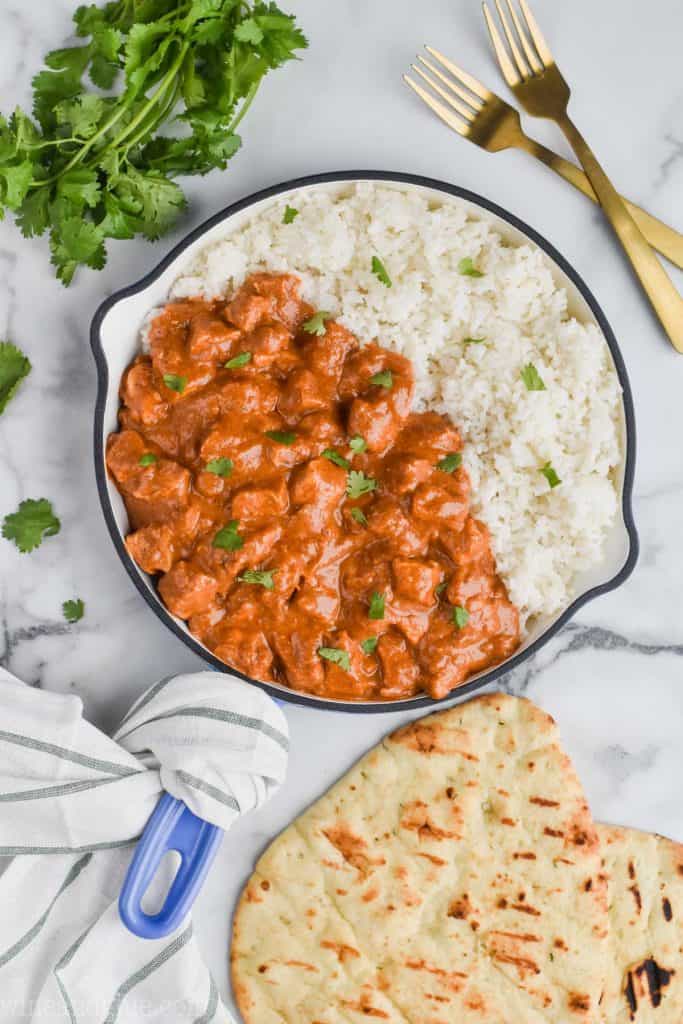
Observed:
{"x":96,"y":163}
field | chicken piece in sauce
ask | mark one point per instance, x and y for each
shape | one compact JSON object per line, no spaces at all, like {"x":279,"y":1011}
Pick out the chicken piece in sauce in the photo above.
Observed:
{"x":312,"y":529}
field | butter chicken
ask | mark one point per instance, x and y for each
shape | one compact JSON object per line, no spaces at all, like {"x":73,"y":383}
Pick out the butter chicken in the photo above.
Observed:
{"x":310,"y":527}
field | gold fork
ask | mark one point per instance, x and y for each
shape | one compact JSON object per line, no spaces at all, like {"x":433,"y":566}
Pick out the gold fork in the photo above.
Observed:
{"x":531,"y":72}
{"x":487,"y":120}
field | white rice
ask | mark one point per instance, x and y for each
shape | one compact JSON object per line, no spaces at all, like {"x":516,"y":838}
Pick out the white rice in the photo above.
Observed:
{"x":542,"y":537}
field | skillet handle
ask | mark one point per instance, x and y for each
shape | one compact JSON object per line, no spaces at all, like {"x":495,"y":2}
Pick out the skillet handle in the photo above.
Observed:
{"x":172,"y":826}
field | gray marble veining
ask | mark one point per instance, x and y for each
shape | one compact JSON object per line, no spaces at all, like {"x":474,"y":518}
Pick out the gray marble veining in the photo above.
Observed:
{"x":613,"y":677}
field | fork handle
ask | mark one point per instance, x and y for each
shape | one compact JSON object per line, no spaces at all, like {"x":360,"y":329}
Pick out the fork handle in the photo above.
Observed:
{"x":666,"y":302}
{"x":661,"y":236}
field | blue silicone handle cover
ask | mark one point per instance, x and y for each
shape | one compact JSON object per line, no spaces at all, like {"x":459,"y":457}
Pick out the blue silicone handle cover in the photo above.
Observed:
{"x":172,"y":826}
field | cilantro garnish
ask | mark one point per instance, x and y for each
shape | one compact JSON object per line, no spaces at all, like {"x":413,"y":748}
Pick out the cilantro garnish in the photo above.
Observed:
{"x":14,"y":366}
{"x":550,"y":475}
{"x":228,"y":538}
{"x":383,"y":379}
{"x":380,"y":271}
{"x":441,"y":587}
{"x":460,"y":616}
{"x":220,"y":467}
{"x":289,"y":215}
{"x":33,"y":521}
{"x":532,"y":378}
{"x":449,"y":463}
{"x":359,"y":516}
{"x":97,"y":164}
{"x":335,"y":457}
{"x":376,"y":609}
{"x":174,"y":382}
{"x":73,"y":610}
{"x":466,"y":266}
{"x":358,"y":444}
{"x":473,"y":341}
{"x":148,"y":459}
{"x":336,"y":655}
{"x":358,"y":484}
{"x":261,"y":578}
{"x":316,"y":325}
{"x":241,"y":360}
{"x":370,"y":644}
{"x":281,"y":436}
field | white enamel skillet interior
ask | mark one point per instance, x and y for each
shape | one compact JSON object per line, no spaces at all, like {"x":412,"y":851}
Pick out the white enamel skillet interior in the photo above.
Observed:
{"x":115,"y":339}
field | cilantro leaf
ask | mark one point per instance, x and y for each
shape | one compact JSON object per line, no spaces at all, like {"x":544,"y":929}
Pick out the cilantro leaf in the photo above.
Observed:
{"x":174,"y":382}
{"x":281,"y":436}
{"x":376,"y":609}
{"x":370,"y":644}
{"x":532,"y":378}
{"x":358,"y":444}
{"x":449,"y":463}
{"x":380,"y":271}
{"x":289,"y":215}
{"x":383,"y":379}
{"x":460,"y":616}
{"x":241,"y":360}
{"x":473,"y":341}
{"x":14,"y":366}
{"x":358,"y":484}
{"x":441,"y":587}
{"x":33,"y":521}
{"x":228,"y":538}
{"x":336,"y":458}
{"x":359,"y":516}
{"x":316,"y":325}
{"x":15,"y":180}
{"x":262,"y":578}
{"x":337,"y":656}
{"x":550,"y":475}
{"x":73,"y":610}
{"x":248,"y":31}
{"x":148,"y":459}
{"x":467,"y":268}
{"x":220,"y":467}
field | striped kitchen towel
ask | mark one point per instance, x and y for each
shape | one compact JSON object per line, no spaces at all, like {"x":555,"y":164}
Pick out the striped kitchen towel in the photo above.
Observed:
{"x":72,"y":803}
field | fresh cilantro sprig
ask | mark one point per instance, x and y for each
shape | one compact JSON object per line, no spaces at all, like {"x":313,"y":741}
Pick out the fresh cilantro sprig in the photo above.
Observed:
{"x":358,"y":484}
{"x":74,"y":610}
{"x":92,"y":165}
{"x":532,"y":378}
{"x":380,"y":271}
{"x":14,"y":366}
{"x":449,"y":463}
{"x":33,"y":521}
{"x":337,"y":656}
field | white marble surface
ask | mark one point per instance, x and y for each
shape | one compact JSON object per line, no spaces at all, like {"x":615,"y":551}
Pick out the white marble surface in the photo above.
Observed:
{"x":614,"y":677}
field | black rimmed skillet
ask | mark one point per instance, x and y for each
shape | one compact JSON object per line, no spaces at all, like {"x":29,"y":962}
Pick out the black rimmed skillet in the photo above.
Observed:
{"x":282,"y":692}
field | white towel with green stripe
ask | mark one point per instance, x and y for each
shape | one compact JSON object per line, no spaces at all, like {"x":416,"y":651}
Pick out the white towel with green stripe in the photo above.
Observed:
{"x":72,"y":803}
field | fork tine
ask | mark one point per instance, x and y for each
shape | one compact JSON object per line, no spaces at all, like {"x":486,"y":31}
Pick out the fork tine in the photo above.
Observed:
{"x":451,"y":120}
{"x":533,"y":60}
{"x":512,"y":42}
{"x":467,"y":112}
{"x":469,"y":81}
{"x":506,"y":66}
{"x":536,"y":34}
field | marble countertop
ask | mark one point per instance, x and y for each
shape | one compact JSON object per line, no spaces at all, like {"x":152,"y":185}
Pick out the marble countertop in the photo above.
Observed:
{"x":614,"y":677}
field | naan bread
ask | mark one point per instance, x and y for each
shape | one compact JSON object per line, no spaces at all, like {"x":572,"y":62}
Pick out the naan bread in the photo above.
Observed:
{"x":645,"y":961}
{"x":454,"y":875}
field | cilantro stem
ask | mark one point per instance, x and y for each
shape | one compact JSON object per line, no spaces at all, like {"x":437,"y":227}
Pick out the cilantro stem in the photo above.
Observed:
{"x":168,"y":79}
{"x":248,"y":99}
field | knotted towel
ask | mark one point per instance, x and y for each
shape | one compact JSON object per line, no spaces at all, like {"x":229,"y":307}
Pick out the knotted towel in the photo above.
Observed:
{"x":72,"y":803}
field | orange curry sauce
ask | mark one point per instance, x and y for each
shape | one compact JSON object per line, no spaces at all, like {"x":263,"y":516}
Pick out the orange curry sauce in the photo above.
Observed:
{"x":305,"y":539}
